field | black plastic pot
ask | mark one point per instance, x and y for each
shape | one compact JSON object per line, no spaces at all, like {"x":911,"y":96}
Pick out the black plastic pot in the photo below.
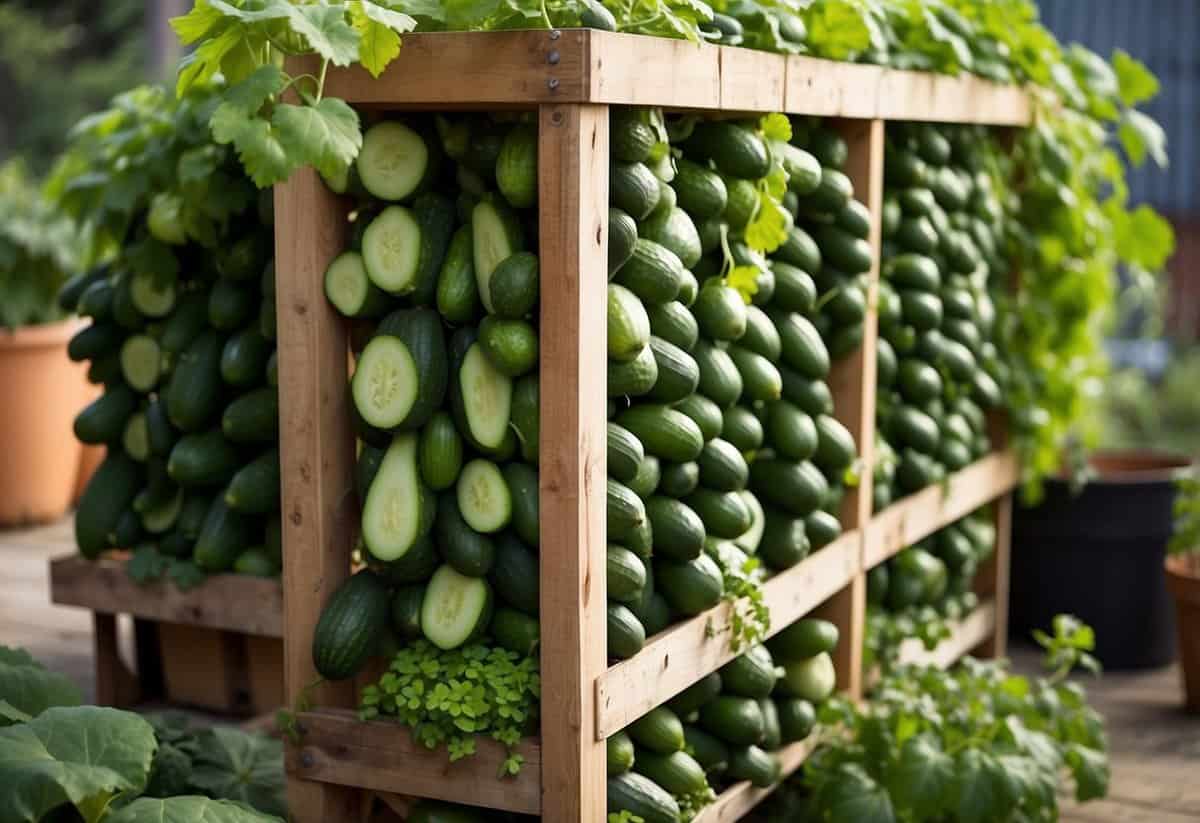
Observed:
{"x":1099,"y":556}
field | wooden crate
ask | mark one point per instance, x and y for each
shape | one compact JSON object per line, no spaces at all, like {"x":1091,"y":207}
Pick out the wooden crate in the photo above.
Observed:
{"x":216,"y":647}
{"x":569,"y":78}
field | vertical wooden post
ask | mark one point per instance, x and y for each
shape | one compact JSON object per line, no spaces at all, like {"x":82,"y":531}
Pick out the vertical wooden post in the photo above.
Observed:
{"x":852,"y":382}
{"x":317,"y":450}
{"x":573,"y":207}
{"x":996,"y":574}
{"x":116,"y":686}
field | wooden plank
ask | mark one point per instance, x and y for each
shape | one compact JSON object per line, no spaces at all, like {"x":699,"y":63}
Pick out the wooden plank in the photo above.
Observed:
{"x":233,"y":602}
{"x":967,"y":635}
{"x":317,"y":449}
{"x":629,"y":69}
{"x":847,"y":610}
{"x":381,"y":756}
{"x":205,"y":668}
{"x":919,"y":515}
{"x":738,"y":800}
{"x":573,"y":223}
{"x":830,"y":89}
{"x":116,"y":685}
{"x":676,"y":658}
{"x":751,"y":80}
{"x":928,"y":97}
{"x":997,"y":574}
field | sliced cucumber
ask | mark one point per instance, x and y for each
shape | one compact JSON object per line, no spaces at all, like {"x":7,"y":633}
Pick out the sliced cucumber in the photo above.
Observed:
{"x":350,"y":290}
{"x":136,"y":437}
{"x":487,"y":398}
{"x":391,"y":250}
{"x":393,"y":161}
{"x":455,"y":609}
{"x":399,"y":509}
{"x":161,"y":518}
{"x":497,"y":236}
{"x":152,"y":294}
{"x":385,"y":383}
{"x":141,"y":362}
{"x":483,"y":497}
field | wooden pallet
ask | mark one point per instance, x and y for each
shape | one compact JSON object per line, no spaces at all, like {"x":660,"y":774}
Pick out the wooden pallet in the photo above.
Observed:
{"x":569,"y":78}
{"x":216,"y":647}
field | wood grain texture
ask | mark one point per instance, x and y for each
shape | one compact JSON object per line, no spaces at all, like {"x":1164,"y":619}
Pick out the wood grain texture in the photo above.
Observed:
{"x":993,"y":579}
{"x":919,"y":515}
{"x":739,"y":799}
{"x":676,"y":658}
{"x":847,"y":609}
{"x":573,"y":206}
{"x":924,"y":96}
{"x":233,"y":602}
{"x":317,"y":454}
{"x":629,"y":69}
{"x":381,"y":756}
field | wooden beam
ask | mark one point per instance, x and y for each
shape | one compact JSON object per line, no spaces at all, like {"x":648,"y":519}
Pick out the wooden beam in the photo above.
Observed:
{"x":676,"y":658}
{"x":231,"y":602}
{"x":739,"y":799}
{"x":341,"y":751}
{"x":993,"y":579}
{"x":573,"y":221}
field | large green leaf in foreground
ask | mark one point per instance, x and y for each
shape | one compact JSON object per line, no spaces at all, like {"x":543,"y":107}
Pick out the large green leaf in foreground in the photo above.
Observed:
{"x":188,"y":809}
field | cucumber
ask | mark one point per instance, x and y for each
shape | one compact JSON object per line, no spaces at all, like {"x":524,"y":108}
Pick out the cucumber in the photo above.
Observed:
{"x":750,"y":539}
{"x":742,"y":428}
{"x":510,"y":345}
{"x":632,"y":139}
{"x":406,"y":611}
{"x":514,"y":286}
{"x":468,"y":551}
{"x":441,"y":452}
{"x":395,"y":161}
{"x":673,"y":229}
{"x":642,"y":798}
{"x":457,"y":288}
{"x":797,"y":487}
{"x":223,"y":536}
{"x":625,"y":510}
{"x":909,"y":426}
{"x":202,"y":459}
{"x":350,"y":290}
{"x":140,"y":359}
{"x":677,"y":531}
{"x":700,"y":191}
{"x":523,"y":487}
{"x":482,"y":398}
{"x":400,"y":378}
{"x":152,"y":293}
{"x":497,"y":235}
{"x":515,"y":631}
{"x":761,"y":381}
{"x":664,"y":432}
{"x":772,"y":733}
{"x":835,"y":446}
{"x":104,"y":419}
{"x":760,"y":335}
{"x":515,"y":575}
{"x":633,"y":189}
{"x":673,"y":322}
{"x":483,"y":496}
{"x":625,"y":453}
{"x":813,"y":397}
{"x":626,"y":634}
{"x":801,"y":251}
{"x":720,"y":312}
{"x":626,"y":574}
{"x":677,"y":772}
{"x":456,"y":608}
{"x":648,"y":477}
{"x":109,"y":493}
{"x":349,"y":626}
{"x":244,"y":358}
{"x":398,"y":508}
{"x":94,"y":342}
{"x":830,"y":196}
{"x":704,"y":413}
{"x":696,"y":695}
{"x":751,"y":763}
{"x":517,"y":165}
{"x":737,"y":152}
{"x":737,"y":721}
{"x":653,"y":272}
{"x":843,"y":250}
{"x":797,"y":719}
{"x":692,"y":587}
{"x":414,"y":566}
{"x":628,"y":324}
{"x":751,"y":674}
{"x":622,"y":235}
{"x":620,"y":753}
{"x":802,"y":346}
{"x":722,"y":467}
{"x":194,"y":391}
{"x":678,"y":373}
{"x":793,"y":433}
{"x":254,"y":489}
{"x":525,"y":416}
{"x":230,"y":305}
{"x":813,"y":679}
{"x":795,"y":290}
{"x":679,"y":479}
{"x":73,"y":289}
{"x":252,"y":418}
{"x":634,"y":378}
{"x":803,"y":639}
{"x":658,"y":730}
{"x":160,"y":434}
{"x":710,"y":752}
{"x":657,"y":614}
{"x":724,"y":514}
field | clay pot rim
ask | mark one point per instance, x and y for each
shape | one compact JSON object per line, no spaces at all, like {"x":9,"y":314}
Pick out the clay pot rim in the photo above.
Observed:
{"x":1183,"y":578}
{"x":41,"y":335}
{"x":1136,"y":466}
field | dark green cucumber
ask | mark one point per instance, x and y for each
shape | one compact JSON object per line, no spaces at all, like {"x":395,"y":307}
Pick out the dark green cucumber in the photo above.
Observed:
{"x":202,"y":459}
{"x":254,"y":489}
{"x":253,"y":417}
{"x":345,"y":634}
{"x":515,"y":574}
{"x":677,"y":531}
{"x":194,"y":392}
{"x":224,"y":535}
{"x":109,"y":493}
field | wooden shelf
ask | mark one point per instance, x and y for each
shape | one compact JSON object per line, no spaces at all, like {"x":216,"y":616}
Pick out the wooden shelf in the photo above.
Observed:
{"x":968,"y":634}
{"x":919,"y":515}
{"x":521,"y":69}
{"x":737,"y":801}
{"x":676,"y":658}
{"x":229,"y":602}
{"x":381,"y":756}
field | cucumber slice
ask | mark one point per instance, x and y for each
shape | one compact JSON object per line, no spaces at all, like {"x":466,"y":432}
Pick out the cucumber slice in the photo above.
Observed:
{"x":141,"y":362}
{"x":350,"y":290}
{"x":385,"y":383}
{"x":136,"y":437}
{"x":152,"y":294}
{"x":398,"y":509}
{"x":161,"y":518}
{"x":455,"y":609}
{"x":391,"y":250}
{"x":487,"y":398}
{"x":393,"y":161}
{"x":496,"y":235}
{"x":483,"y":497}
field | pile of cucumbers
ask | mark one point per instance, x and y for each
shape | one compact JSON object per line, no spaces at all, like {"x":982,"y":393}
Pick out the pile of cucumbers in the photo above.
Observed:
{"x":189,"y":412}
{"x":442,"y":288}
{"x":722,"y":445}
{"x":926,"y":586}
{"x":725,"y":728}
{"x":939,"y":371}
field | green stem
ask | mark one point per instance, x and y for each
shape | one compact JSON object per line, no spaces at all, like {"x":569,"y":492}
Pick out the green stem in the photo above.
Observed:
{"x":321,"y":81}
{"x":546,"y":16}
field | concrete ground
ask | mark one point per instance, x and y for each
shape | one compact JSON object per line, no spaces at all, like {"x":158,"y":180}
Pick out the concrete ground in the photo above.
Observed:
{"x":1155,"y":747}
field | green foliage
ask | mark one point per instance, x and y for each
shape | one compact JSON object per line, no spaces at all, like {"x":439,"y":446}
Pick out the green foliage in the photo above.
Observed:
{"x":977,"y":744}
{"x":38,"y":251}
{"x":27,"y":688}
{"x":1185,"y":537}
{"x":750,"y":619}
{"x":449,"y":697}
{"x":188,"y":809}
{"x":1132,"y":412}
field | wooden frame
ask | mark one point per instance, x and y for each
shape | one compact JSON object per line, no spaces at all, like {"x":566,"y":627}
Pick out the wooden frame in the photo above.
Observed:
{"x":569,"y":78}
{"x":216,"y":647}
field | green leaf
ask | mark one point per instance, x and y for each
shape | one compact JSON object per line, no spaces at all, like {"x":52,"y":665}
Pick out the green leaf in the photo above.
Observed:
{"x":188,"y":809}
{"x":259,"y":148}
{"x":980,"y":791}
{"x":1145,"y":238}
{"x":1089,"y":767}
{"x":776,"y":126}
{"x":260,"y":86}
{"x":199,"y":67}
{"x":378,"y":43}
{"x":78,"y":755}
{"x":197,"y":23}
{"x":12,"y":714}
{"x":745,"y":280}
{"x":185,"y":574}
{"x":146,"y":565}
{"x":1136,"y":82}
{"x":327,"y":32}
{"x":325,"y":136}
{"x":921,"y":778}
{"x":235,"y":765}
{"x":769,"y":228}
{"x":1140,"y":135}
{"x":851,"y":794}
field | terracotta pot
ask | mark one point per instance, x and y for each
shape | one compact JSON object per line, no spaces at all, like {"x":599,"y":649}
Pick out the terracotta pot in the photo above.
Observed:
{"x":1183,"y":580}
{"x":42,"y":392}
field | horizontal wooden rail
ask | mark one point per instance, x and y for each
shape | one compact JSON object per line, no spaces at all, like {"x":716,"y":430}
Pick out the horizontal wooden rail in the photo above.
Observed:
{"x":381,"y":756}
{"x":676,"y":658}
{"x":231,"y":602}
{"x":967,"y":634}
{"x":522,"y":69}
{"x":737,"y":801}
{"x":919,"y":515}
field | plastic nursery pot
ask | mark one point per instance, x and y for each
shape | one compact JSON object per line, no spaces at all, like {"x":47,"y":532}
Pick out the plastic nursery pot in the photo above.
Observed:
{"x":1099,"y":555}
{"x":43,"y":391}
{"x":1183,"y":581}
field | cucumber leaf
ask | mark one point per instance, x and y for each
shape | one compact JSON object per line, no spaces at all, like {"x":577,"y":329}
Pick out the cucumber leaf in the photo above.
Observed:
{"x":188,"y":809}
{"x":27,"y":688}
{"x":230,"y":764}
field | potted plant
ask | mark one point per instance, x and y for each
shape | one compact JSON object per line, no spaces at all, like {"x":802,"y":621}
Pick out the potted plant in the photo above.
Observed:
{"x":43,"y":389}
{"x":1183,"y":581}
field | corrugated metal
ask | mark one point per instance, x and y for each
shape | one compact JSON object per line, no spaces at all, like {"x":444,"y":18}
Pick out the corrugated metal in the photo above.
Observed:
{"x":1165,"y":35}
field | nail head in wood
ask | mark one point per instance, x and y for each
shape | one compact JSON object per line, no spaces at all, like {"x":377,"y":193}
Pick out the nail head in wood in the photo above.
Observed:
{"x":553,"y":57}
{"x":552,"y":83}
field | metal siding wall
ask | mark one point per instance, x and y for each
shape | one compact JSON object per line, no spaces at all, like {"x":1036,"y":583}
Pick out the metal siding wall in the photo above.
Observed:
{"x":1165,"y":35}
